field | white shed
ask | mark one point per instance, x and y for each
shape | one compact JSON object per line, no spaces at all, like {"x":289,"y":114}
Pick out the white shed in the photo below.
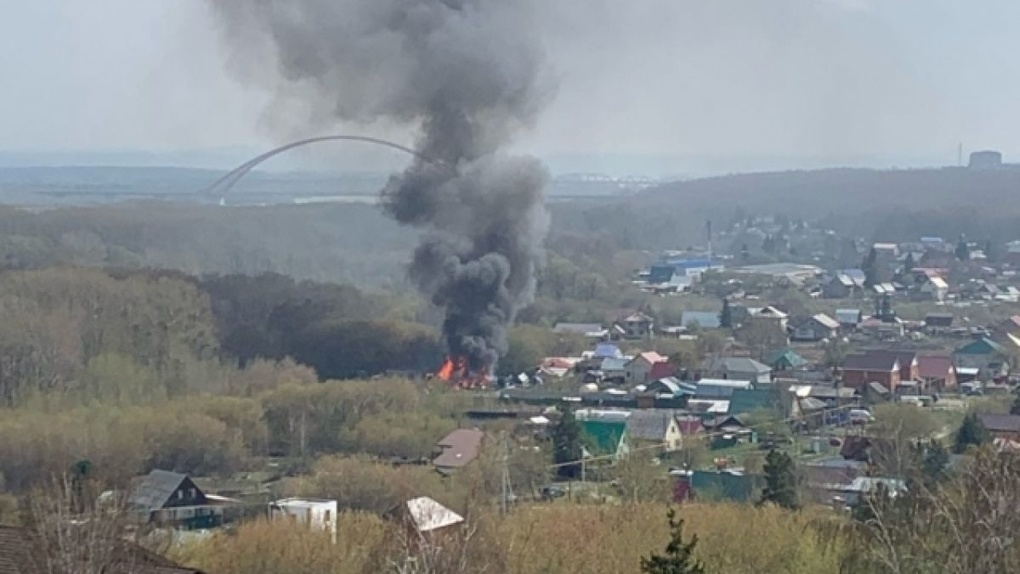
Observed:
{"x":319,"y":514}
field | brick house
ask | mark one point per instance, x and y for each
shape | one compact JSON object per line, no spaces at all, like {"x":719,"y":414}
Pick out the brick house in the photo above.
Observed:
{"x":860,"y":369}
{"x":1001,"y":426}
{"x":936,"y":372}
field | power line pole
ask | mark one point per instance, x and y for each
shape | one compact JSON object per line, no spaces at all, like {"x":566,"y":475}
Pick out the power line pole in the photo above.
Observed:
{"x":506,"y":487}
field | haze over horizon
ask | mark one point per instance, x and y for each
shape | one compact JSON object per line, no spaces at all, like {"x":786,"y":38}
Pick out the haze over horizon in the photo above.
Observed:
{"x":652,"y":87}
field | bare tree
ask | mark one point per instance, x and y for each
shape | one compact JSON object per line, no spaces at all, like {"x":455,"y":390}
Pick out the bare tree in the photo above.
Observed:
{"x":969,"y":524}
{"x":78,"y":532}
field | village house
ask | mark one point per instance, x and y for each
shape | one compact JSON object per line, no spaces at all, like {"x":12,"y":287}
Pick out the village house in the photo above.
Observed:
{"x":614,"y":370}
{"x":934,"y":289}
{"x":815,"y":328}
{"x":844,"y":284}
{"x":862,"y":369}
{"x":648,"y":366}
{"x":173,"y":499}
{"x":739,"y":368}
{"x":785,"y":360}
{"x":458,"y":449}
{"x":849,"y":319}
{"x":1001,"y":426}
{"x":654,"y":426}
{"x":637,"y":326}
{"x":990,"y":358}
{"x":937,"y":372}
{"x":605,"y":438}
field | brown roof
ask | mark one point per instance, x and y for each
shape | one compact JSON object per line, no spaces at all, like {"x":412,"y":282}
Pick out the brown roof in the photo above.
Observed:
{"x":22,"y":552}
{"x":460,"y":447}
{"x":934,"y":366}
{"x":875,"y":361}
{"x":1000,"y":422}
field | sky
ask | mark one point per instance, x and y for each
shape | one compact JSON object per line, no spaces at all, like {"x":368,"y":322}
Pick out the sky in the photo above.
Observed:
{"x":656,"y":83}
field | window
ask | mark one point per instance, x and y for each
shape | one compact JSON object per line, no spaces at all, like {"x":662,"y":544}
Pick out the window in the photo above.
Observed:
{"x":326,"y":516}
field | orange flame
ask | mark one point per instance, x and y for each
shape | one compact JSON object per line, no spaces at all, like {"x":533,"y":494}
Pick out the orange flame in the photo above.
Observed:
{"x":446,"y":371}
{"x":458,"y":371}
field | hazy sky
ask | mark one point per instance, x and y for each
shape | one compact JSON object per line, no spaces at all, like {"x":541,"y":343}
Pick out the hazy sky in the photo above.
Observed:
{"x":828,"y":78}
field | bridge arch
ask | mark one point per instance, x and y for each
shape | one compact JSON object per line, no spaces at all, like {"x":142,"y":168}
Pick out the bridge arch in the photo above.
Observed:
{"x":222,"y":185}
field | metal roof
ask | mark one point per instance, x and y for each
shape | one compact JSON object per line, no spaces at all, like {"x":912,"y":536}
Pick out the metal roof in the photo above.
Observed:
{"x":649,"y":425}
{"x":154,"y":491}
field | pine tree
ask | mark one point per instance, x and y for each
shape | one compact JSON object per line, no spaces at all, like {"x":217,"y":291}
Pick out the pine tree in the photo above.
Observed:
{"x":971,"y":432}
{"x":679,"y":557}
{"x":567,"y":445}
{"x":962,"y":251}
{"x":934,"y":463}
{"x":909,"y":263}
{"x":780,"y":481}
{"x":726,"y":315}
{"x":870,"y":268}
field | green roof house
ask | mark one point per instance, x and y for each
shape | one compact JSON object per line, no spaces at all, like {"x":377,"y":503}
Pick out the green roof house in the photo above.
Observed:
{"x":785,"y":360}
{"x":990,"y":358}
{"x":605,"y":437}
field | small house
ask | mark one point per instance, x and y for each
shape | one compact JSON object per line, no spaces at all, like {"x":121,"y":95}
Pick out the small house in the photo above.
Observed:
{"x":841,"y":286}
{"x":740,"y":368}
{"x":605,"y":438}
{"x":849,"y":319}
{"x":934,"y":289}
{"x":173,"y":499}
{"x":638,"y":326}
{"x":815,"y":328}
{"x":990,"y":358}
{"x":614,"y":369}
{"x":785,"y":360}
{"x":655,"y":427}
{"x":640,"y":369}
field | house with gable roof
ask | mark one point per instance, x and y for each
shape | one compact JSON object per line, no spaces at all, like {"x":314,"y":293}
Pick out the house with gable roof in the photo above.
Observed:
{"x":637,"y":326}
{"x":605,"y":438}
{"x":739,"y":368}
{"x":172,"y":498}
{"x":937,"y":372}
{"x":815,"y":328}
{"x":990,"y":358}
{"x":648,"y":366}
{"x":655,"y":426}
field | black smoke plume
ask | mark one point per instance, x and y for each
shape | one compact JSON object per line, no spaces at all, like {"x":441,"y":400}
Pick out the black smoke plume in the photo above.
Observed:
{"x":468,"y":74}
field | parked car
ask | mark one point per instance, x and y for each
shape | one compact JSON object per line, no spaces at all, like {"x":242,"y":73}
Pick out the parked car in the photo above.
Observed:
{"x":860,"y":417}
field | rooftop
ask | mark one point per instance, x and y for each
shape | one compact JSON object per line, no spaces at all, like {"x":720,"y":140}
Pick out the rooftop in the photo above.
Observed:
{"x":460,"y":447}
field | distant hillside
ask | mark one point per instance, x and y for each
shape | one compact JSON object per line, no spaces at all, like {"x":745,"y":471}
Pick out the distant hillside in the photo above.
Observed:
{"x":814,"y":193}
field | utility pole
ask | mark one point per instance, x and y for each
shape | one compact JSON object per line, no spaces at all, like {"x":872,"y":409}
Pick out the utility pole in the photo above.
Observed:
{"x":506,"y":487}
